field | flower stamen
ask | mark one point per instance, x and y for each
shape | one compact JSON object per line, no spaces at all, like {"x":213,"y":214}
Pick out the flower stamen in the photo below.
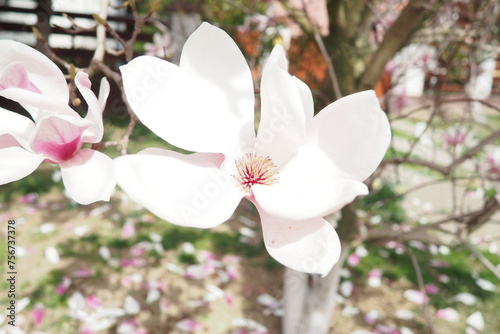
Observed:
{"x":255,"y":169}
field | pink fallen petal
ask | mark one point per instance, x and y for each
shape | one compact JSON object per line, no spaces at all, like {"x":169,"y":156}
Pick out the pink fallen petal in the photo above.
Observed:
{"x":29,"y":198}
{"x":199,"y":271}
{"x":132,"y":263}
{"x":38,"y":313}
{"x":128,"y":229}
{"x":415,"y":296}
{"x":431,"y":289}
{"x":83,"y":273}
{"x":229,"y":298}
{"x":371,"y":317}
{"x":448,"y":314}
{"x":470,"y":330}
{"x":63,"y":286}
{"x":93,"y":302}
{"x":232,"y":272}
{"x":188,"y":325}
{"x":438,"y":264}
{"x":353,"y":260}
{"x":375,"y":278}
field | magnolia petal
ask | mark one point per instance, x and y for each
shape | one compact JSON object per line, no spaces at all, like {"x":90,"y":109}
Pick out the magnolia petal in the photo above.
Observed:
{"x":181,"y":109}
{"x":17,"y":163}
{"x":94,"y":114}
{"x":15,"y":75}
{"x":448,"y":314}
{"x":307,"y":188}
{"x":38,"y":105}
{"x":283,"y":123}
{"x":58,"y":137}
{"x":186,"y":190}
{"x":354,"y":133}
{"x":476,"y":320}
{"x":211,"y":55}
{"x":415,"y":296}
{"x":310,"y":245}
{"x":20,"y":127}
{"x":88,"y":176}
{"x":42,"y":72}
{"x":104,"y":90}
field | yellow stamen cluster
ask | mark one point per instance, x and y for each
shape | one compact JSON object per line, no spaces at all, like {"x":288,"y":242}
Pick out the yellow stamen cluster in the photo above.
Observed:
{"x":255,"y":169}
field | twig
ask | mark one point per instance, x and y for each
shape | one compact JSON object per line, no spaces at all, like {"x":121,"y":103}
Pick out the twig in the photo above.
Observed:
{"x":49,"y":51}
{"x":481,"y":257}
{"x":425,"y":305}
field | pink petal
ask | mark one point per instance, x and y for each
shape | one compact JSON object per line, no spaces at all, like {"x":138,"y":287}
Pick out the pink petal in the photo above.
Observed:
{"x":58,"y":138}
{"x":38,"y":313}
{"x":415,"y":296}
{"x":310,"y":245}
{"x":198,"y":194}
{"x":128,"y":229}
{"x":431,"y":289}
{"x":448,"y":314}
{"x":189,"y":325}
{"x":354,"y":133}
{"x":88,"y":176}
{"x":353,"y":260}
{"x":15,"y":75}
{"x":93,"y":302}
{"x":41,"y":71}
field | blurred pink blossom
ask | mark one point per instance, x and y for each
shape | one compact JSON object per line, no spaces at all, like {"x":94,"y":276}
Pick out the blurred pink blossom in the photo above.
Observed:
{"x":38,"y":313}
{"x":353,"y":260}
{"x":189,"y":325}
{"x":448,"y":314}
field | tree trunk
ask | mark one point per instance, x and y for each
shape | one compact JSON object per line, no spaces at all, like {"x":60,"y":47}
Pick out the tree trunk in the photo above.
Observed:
{"x":310,"y":300}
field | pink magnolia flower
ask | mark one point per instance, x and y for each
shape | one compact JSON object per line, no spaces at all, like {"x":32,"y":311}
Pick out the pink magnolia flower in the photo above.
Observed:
{"x":55,"y":133}
{"x":297,"y":169}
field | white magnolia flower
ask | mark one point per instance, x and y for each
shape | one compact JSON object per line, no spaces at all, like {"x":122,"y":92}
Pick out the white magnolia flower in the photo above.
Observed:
{"x":297,"y":169}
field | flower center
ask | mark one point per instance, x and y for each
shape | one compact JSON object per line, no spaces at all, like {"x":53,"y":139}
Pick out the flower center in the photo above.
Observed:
{"x":255,"y":169}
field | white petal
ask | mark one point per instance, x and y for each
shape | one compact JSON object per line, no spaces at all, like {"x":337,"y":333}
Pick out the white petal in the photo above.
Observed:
{"x":448,"y":314}
{"x":88,"y":176}
{"x":466,"y":298}
{"x":307,"y":188}
{"x":211,"y":55}
{"x":44,"y":73}
{"x":38,"y":105}
{"x":415,"y":296}
{"x":16,"y":163}
{"x":354,"y":133}
{"x":187,"y":190}
{"x":485,"y":284}
{"x":52,"y":255}
{"x":20,"y":127}
{"x":284,"y":118}
{"x":310,"y":246}
{"x":131,"y":305}
{"x":94,"y":114}
{"x":476,"y":320}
